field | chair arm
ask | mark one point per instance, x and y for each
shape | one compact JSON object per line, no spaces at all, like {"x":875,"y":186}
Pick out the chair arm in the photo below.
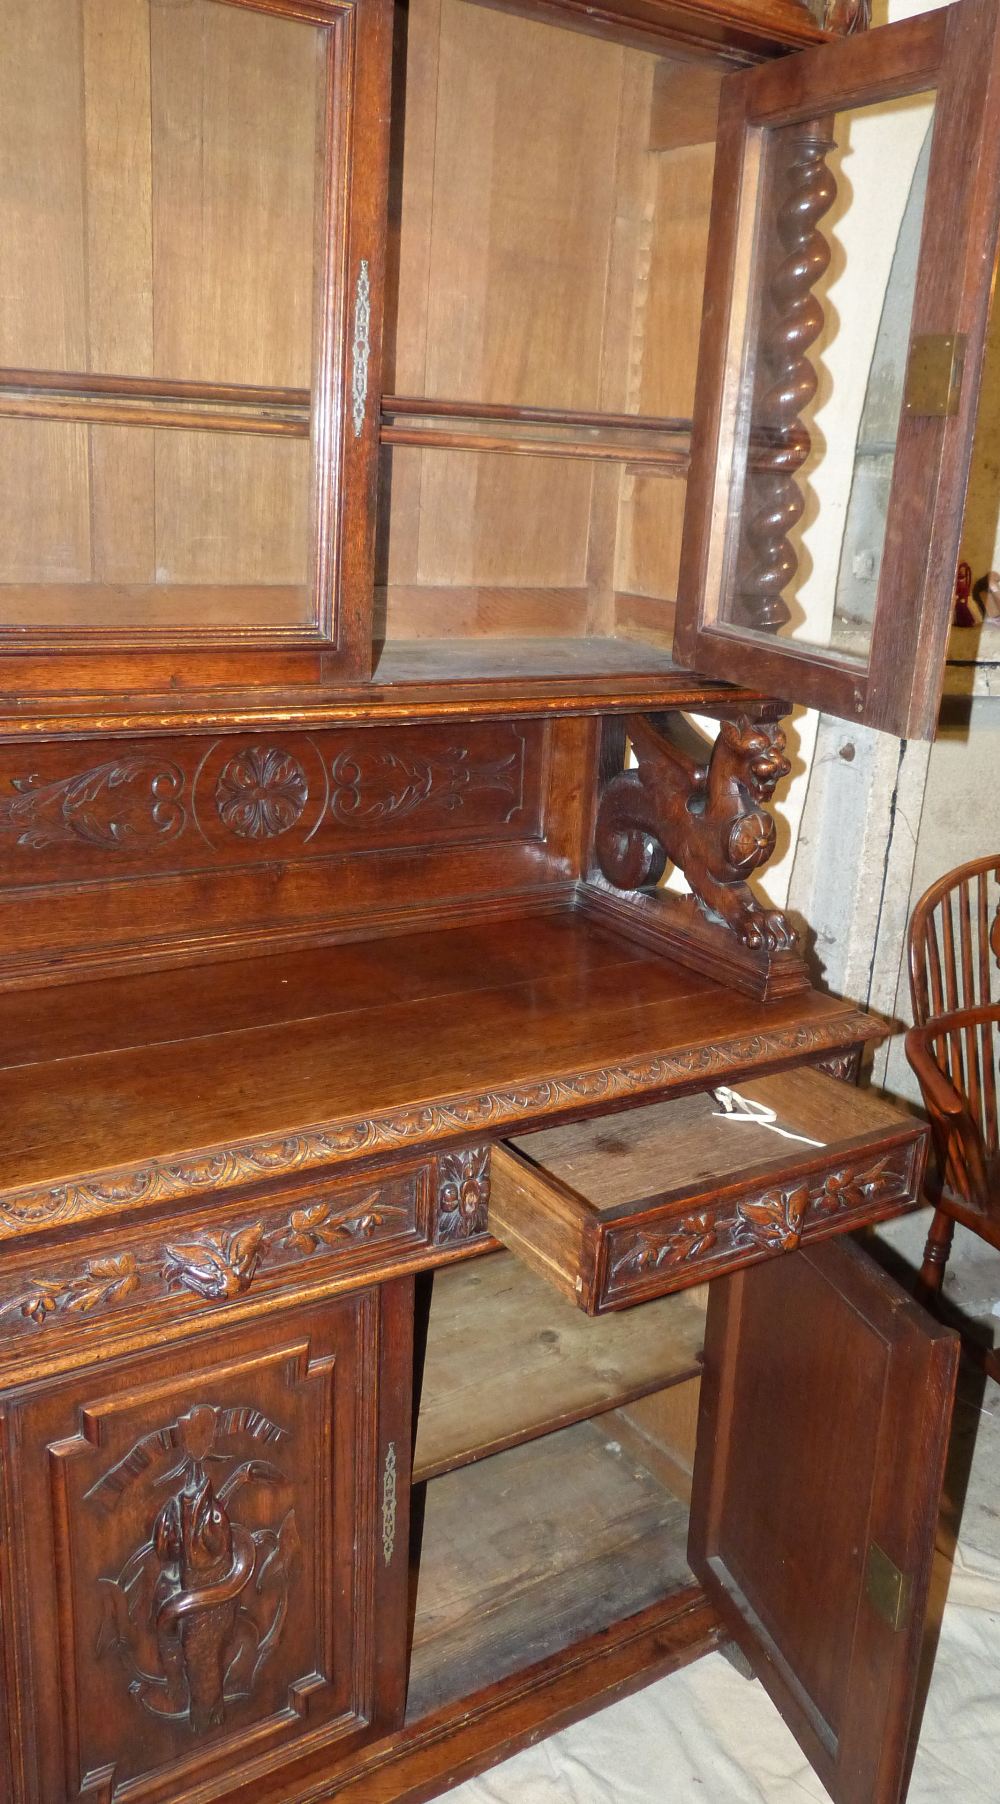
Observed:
{"x":957,"y":1137}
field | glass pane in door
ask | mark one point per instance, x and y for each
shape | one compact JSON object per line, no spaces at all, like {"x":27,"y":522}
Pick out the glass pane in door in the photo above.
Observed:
{"x":816,"y":407}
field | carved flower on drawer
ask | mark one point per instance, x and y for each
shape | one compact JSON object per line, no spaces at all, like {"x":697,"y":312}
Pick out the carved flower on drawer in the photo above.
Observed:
{"x":216,"y":1269}
{"x":463,"y":1193}
{"x":261,"y":792}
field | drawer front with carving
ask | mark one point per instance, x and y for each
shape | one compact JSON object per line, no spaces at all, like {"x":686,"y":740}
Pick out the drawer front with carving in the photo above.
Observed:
{"x":204,"y":1557}
{"x":299,"y":1238}
{"x":631,"y":1206}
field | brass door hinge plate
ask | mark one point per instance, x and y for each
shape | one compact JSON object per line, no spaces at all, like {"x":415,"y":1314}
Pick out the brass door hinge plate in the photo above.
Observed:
{"x":888,"y":1589}
{"x":934,"y":375}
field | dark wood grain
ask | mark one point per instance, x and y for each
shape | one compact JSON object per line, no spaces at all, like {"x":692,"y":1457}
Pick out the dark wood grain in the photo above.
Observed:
{"x":789,"y":1579}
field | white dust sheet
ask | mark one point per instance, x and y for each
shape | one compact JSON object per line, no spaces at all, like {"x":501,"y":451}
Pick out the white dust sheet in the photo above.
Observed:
{"x":707,"y":1736}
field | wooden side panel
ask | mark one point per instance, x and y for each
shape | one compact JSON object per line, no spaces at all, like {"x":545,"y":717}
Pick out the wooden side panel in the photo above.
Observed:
{"x":824,"y":1422}
{"x":207,"y":1575}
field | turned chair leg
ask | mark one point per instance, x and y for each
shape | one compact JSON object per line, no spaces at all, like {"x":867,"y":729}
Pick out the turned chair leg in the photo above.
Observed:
{"x":936,"y":1251}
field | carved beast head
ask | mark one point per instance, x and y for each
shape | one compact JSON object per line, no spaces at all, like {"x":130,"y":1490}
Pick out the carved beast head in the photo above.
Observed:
{"x":756,"y":755}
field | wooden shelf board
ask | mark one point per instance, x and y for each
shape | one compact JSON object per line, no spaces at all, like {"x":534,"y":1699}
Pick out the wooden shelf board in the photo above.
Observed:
{"x":497,"y":660}
{"x":533,"y":1551}
{"x":508,"y":1360}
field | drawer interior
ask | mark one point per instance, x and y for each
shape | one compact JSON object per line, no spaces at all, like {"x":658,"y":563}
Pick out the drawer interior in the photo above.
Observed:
{"x":615,"y":1209}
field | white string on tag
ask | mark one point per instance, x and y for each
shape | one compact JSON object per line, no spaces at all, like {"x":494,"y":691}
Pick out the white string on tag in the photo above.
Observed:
{"x":743,"y":1108}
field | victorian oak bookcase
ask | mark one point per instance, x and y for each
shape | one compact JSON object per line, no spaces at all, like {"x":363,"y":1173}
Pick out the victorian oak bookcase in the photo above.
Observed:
{"x":426,"y":1308}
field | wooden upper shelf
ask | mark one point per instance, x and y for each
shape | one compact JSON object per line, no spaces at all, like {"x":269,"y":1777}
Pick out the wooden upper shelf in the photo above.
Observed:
{"x":311,"y":1060}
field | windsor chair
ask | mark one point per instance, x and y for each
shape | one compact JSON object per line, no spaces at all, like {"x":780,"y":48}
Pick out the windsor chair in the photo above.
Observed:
{"x":954,"y":948}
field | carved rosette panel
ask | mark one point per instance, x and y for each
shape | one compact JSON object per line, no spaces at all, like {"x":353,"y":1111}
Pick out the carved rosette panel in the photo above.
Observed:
{"x":842,"y":1065}
{"x":463,"y":1194}
{"x":216,"y":1169}
{"x":773,"y":1220}
{"x":312,"y":793}
{"x":261,"y":792}
{"x":787,"y":380}
{"x":212,"y":1264}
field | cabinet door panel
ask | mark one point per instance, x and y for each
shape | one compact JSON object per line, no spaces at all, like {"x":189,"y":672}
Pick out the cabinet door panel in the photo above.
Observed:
{"x":202,"y":1547}
{"x":854,"y":228}
{"x":824,"y":1421}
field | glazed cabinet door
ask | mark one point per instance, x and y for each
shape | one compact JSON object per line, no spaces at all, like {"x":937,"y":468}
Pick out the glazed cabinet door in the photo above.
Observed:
{"x":192,"y":204}
{"x":205,"y":1558}
{"x":852,"y":242}
{"x":824,"y":1421}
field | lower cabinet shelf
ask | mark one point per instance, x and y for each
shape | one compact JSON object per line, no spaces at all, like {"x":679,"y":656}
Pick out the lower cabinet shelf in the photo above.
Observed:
{"x":532,"y":1551}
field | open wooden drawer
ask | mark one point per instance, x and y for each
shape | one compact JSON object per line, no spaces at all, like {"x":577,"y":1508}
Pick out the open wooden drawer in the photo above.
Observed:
{"x":620,"y":1209}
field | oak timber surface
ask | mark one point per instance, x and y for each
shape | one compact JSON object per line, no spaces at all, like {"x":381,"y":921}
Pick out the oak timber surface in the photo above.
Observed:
{"x":507,"y":1359}
{"x":186,"y":1060}
{"x":509,"y":1574}
{"x":691,"y":1141}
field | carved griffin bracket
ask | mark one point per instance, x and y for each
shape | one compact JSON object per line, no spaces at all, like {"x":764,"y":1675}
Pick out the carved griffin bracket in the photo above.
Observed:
{"x":702,"y":808}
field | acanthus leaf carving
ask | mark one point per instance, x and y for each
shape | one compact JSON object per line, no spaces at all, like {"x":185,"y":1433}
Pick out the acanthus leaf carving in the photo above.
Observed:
{"x":127,"y":800}
{"x":372,"y":786}
{"x":703,"y":808}
{"x":213,"y":1266}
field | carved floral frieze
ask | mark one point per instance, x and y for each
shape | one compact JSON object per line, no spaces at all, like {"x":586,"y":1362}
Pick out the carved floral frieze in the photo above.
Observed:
{"x":249,"y":794}
{"x":479,"y":1111}
{"x":773,"y":1220}
{"x":199,"y":1606}
{"x":214,"y":1266}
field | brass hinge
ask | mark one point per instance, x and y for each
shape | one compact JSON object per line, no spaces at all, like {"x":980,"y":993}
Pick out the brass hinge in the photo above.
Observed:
{"x":934,"y":374}
{"x":888,"y":1589}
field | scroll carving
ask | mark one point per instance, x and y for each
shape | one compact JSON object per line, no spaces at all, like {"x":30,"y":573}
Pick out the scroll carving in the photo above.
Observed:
{"x":463,"y":1194}
{"x":772,"y":1221}
{"x":786,"y":379}
{"x":372,"y":786}
{"x":128,"y":801}
{"x":708,"y":818}
{"x":199,"y":1606}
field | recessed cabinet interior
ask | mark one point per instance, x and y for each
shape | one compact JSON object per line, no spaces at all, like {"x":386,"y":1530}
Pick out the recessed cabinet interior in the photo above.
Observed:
{"x":673,"y":373}
{"x":172,"y":463}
